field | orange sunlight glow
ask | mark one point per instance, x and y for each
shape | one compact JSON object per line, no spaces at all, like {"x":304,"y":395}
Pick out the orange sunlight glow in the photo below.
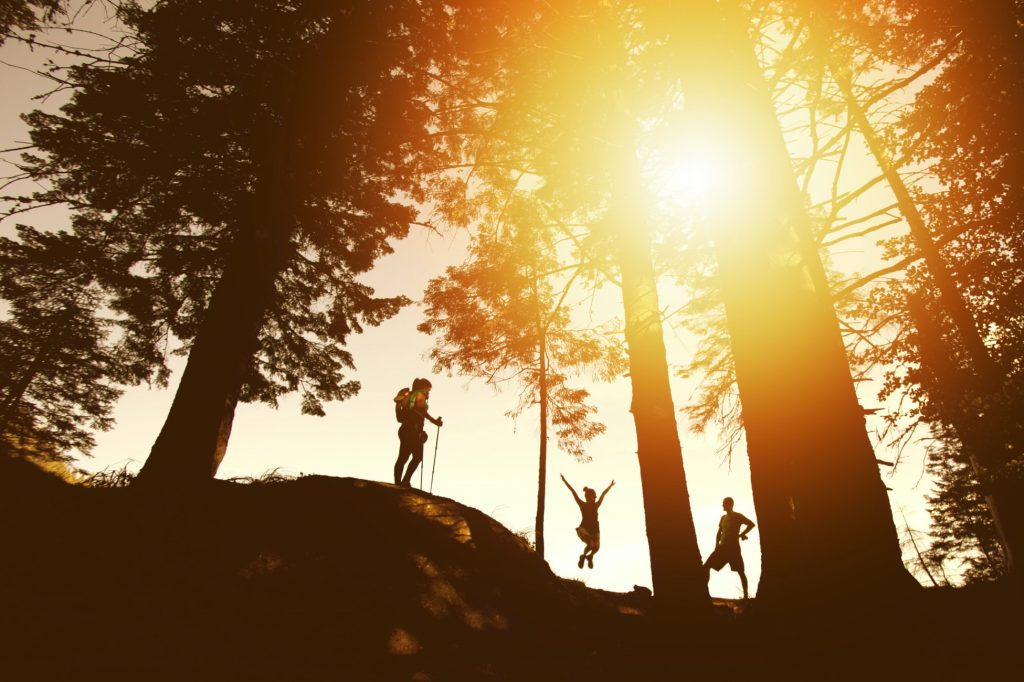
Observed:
{"x":695,"y":169}
{"x":689,"y":177}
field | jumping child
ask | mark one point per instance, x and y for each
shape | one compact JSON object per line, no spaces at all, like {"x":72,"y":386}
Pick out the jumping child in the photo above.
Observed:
{"x":589,"y":530}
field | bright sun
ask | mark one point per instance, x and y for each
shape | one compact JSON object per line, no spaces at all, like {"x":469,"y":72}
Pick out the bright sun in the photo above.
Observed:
{"x":687,"y":175}
{"x":690,"y":176}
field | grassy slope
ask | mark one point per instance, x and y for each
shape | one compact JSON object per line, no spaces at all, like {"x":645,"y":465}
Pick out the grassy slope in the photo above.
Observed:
{"x":346,"y":579}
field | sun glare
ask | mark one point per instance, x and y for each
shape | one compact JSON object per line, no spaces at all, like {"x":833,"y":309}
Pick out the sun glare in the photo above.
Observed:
{"x":688,"y":174}
{"x":689,"y":177}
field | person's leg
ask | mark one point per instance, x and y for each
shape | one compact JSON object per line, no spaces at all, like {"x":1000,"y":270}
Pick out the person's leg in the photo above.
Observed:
{"x":583,"y":535}
{"x":417,"y":458}
{"x":713,"y":563}
{"x":414,"y":464}
{"x":404,"y":451}
{"x":736,"y":564}
{"x":593,"y":547}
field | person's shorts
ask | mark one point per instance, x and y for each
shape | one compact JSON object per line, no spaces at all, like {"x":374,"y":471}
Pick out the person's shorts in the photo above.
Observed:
{"x":591,"y":538}
{"x":726,"y":554}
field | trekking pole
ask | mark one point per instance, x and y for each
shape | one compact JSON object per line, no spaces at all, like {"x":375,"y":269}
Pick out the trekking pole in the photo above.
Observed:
{"x":433,"y":467}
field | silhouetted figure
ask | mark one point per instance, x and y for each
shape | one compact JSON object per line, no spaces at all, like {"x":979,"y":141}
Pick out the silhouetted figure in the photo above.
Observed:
{"x":727,"y":543}
{"x":589,"y":529}
{"x":411,"y":435}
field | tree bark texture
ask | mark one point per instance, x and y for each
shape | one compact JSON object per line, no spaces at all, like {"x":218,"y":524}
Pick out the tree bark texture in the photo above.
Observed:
{"x":825,"y":522}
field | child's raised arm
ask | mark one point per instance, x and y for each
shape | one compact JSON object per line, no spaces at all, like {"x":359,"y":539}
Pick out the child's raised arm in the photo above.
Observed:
{"x":575,"y":496}
{"x":601,"y":499}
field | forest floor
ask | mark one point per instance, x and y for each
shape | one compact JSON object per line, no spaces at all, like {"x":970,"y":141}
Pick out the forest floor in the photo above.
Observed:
{"x":329,"y":578}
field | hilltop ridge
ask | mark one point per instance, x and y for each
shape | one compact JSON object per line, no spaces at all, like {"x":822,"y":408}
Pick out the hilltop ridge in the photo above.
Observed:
{"x":340,"y":578}
{"x":312,"y":574}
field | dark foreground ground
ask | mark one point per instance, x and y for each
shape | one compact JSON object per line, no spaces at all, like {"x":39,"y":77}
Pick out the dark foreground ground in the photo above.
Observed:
{"x":343,"y":579}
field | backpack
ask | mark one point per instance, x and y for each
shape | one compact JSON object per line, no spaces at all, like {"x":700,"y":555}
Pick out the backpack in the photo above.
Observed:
{"x":402,"y":408}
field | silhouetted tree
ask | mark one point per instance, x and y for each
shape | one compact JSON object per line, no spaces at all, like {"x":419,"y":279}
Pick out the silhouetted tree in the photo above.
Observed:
{"x":949,"y":37}
{"x":503,"y":316}
{"x":961,"y":125}
{"x":58,"y":363}
{"x":962,"y":529}
{"x":958,"y":300}
{"x":817,"y":490}
{"x":242,"y":169}
{"x":26,"y":14}
{"x":559,"y":99}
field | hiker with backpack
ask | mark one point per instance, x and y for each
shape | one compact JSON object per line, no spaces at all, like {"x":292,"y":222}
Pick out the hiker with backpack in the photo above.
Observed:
{"x":411,"y":412}
{"x":589,"y":531}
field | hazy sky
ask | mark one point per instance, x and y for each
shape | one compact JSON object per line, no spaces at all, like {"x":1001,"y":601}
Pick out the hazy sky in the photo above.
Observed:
{"x":484,"y":460}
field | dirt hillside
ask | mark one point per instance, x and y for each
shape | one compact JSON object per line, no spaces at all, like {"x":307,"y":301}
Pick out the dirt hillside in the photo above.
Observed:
{"x":331,"y":578}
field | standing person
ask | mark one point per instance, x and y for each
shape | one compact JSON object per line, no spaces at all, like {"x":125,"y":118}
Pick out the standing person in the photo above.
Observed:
{"x":589,"y":531}
{"x":727,"y":543}
{"x":411,"y":436}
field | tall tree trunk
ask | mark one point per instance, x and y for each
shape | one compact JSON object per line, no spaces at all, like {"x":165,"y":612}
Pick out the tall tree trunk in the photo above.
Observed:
{"x":194,"y":436}
{"x":826,"y":525}
{"x":542,"y":389}
{"x":679,"y":580}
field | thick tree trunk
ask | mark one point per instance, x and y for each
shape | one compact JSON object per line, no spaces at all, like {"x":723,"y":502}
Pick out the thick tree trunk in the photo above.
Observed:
{"x":195,"y":434}
{"x":679,"y":580}
{"x":825,"y":522}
